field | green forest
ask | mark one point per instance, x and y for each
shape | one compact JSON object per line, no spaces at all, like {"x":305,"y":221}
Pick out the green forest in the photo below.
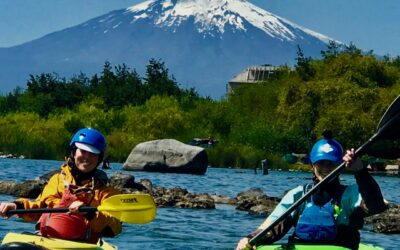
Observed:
{"x":345,"y":91}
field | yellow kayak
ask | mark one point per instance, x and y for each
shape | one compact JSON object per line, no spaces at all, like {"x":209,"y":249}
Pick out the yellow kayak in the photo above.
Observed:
{"x":32,"y":241}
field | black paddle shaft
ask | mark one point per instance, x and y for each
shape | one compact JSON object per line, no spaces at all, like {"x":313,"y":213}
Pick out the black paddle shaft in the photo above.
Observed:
{"x":382,"y":127}
{"x":49,"y":210}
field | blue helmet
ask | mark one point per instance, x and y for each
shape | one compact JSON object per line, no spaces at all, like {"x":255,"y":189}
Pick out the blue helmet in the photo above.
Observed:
{"x":90,"y":140}
{"x":327,"y":149}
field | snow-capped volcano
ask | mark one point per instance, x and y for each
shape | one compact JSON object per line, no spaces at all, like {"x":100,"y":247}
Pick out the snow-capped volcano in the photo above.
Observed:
{"x":212,"y":16}
{"x":204,"y":43}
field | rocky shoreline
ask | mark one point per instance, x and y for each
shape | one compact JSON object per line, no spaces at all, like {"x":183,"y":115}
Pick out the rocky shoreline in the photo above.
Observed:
{"x":255,"y":201}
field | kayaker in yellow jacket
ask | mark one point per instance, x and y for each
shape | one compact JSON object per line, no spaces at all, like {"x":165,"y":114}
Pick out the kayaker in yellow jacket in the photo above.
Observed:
{"x":335,"y":213}
{"x":79,"y":183}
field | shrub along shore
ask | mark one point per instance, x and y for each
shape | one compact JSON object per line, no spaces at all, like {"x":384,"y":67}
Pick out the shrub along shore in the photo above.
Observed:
{"x":346,"y":91}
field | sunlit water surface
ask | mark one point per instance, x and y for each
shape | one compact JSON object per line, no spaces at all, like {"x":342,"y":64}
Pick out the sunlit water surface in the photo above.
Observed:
{"x":175,"y":228}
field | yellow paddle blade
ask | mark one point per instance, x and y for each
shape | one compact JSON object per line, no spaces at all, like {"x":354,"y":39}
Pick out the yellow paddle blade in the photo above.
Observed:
{"x":130,"y":208}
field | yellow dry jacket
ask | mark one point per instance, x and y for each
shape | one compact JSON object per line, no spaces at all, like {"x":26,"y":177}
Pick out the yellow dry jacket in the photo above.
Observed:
{"x":51,"y":195}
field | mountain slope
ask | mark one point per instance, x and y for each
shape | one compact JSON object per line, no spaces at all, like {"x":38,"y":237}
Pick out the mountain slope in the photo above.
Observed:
{"x":204,"y":43}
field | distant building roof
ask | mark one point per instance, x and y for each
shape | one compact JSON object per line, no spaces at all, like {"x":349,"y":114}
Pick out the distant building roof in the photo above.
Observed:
{"x":392,"y":167}
{"x":252,"y":74}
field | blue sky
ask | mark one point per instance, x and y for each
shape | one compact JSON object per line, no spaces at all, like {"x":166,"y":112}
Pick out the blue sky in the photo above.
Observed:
{"x":369,"y":24}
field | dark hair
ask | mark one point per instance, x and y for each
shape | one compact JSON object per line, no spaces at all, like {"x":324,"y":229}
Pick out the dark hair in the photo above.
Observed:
{"x":327,"y":134}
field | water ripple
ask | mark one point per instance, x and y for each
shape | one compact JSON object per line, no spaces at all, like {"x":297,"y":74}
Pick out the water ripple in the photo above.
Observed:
{"x":195,"y":229}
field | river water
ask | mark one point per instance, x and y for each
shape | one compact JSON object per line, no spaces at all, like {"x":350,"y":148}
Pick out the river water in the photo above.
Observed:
{"x":177,"y":228}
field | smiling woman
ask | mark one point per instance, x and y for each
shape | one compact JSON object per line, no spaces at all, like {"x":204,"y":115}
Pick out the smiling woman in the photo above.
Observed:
{"x":90,"y":147}
{"x":78,"y":184}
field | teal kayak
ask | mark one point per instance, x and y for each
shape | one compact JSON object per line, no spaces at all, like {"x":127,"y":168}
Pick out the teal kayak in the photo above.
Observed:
{"x":362,"y":246}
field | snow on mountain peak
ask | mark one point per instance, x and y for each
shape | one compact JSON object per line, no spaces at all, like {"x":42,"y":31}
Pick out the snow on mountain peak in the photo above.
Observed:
{"x":211,"y":15}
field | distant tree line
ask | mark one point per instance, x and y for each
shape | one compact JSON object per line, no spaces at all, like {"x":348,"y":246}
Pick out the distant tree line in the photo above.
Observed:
{"x":346,"y":91}
{"x":117,"y":87}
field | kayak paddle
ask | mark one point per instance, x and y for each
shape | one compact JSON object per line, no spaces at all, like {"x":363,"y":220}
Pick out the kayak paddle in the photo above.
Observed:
{"x":388,"y":121}
{"x":129,"y":208}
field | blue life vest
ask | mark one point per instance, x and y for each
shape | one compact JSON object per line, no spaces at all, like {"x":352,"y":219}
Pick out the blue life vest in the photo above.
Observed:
{"x":318,"y":223}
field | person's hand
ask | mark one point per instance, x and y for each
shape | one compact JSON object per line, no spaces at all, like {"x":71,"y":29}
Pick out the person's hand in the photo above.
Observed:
{"x":74,"y":207}
{"x":351,"y":163}
{"x":5,"y":207}
{"x":242,"y":244}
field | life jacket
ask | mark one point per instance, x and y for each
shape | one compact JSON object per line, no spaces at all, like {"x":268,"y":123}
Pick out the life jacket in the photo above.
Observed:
{"x":318,"y":223}
{"x":64,"y":225}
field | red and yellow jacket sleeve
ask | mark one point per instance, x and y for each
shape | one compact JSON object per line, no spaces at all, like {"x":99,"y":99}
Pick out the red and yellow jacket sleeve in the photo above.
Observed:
{"x":49,"y":197}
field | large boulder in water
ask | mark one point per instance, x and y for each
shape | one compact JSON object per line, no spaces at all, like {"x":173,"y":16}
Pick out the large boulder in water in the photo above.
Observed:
{"x":167,"y":156}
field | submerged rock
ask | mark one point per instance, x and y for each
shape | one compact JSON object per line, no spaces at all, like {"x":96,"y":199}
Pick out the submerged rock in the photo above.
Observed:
{"x":387,"y":222}
{"x":256,"y":202}
{"x":28,"y":189}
